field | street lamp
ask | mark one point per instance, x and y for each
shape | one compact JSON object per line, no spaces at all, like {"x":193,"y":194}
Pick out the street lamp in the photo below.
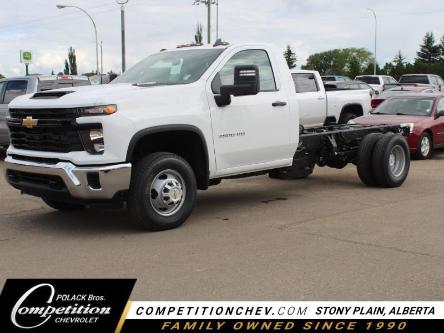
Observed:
{"x":208,"y":3}
{"x":95,"y":31}
{"x":376,"y":33}
{"x":122,"y":28}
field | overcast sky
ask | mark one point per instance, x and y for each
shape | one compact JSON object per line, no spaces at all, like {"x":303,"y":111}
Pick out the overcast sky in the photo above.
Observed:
{"x":309,"y":26}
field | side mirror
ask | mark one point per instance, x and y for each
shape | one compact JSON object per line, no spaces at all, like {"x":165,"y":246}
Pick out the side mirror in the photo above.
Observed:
{"x":440,"y":113}
{"x":246,"y":82}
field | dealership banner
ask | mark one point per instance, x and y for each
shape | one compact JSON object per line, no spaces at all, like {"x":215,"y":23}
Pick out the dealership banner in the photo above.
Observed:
{"x":102,"y":305}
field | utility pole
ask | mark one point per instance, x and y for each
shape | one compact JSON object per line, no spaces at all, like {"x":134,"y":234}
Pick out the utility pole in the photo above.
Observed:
{"x":101,"y":62}
{"x":122,"y":28}
{"x":376,"y":34}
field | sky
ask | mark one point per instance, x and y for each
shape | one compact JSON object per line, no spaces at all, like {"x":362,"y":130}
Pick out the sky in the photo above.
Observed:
{"x":309,"y":26}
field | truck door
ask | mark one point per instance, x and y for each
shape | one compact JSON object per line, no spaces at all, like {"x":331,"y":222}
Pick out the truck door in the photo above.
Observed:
{"x":253,"y":131}
{"x":311,"y":98}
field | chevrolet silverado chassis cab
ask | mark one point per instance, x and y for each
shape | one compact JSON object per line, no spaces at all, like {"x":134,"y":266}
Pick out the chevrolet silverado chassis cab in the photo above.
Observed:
{"x":179,"y":121}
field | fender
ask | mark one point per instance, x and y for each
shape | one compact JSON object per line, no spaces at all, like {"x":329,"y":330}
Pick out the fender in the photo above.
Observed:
{"x":168,"y":128}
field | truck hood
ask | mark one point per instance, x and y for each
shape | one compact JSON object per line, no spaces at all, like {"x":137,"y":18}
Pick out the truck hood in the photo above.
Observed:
{"x":103,"y":95}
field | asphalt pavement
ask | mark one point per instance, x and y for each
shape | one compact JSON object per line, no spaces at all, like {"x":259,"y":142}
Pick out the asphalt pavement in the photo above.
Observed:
{"x":327,"y":237}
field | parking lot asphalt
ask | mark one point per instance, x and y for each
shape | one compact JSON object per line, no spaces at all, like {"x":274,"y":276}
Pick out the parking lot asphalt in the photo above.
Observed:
{"x":327,"y":237}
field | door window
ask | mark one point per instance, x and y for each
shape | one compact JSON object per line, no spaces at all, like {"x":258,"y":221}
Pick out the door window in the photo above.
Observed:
{"x":305,"y":82}
{"x":441,"y":105}
{"x":248,"y":57}
{"x":14,"y":89}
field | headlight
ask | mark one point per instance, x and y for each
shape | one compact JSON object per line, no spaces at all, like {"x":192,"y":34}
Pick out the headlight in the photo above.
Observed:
{"x":93,"y":140}
{"x":101,"y":110}
{"x":410,"y":126}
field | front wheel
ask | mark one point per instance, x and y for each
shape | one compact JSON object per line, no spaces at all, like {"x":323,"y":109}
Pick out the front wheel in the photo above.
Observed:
{"x":425,"y":147}
{"x":162,"y":192}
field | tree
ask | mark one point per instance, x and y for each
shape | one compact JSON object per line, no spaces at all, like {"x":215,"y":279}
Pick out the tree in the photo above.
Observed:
{"x":429,"y":51}
{"x":72,"y":61}
{"x":198,"y":37}
{"x":350,"y":61}
{"x":1,"y":76}
{"x":66,"y":70}
{"x":290,"y":56}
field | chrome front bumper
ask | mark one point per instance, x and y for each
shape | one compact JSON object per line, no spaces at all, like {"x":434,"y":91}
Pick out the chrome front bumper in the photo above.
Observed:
{"x":112,"y":178}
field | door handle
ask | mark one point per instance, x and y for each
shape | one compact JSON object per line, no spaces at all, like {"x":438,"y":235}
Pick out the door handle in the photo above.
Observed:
{"x":279,"y":103}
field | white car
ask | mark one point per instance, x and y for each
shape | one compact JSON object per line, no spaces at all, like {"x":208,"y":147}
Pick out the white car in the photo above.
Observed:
{"x":183,"y":120}
{"x":378,"y":82}
{"x":423,"y":79}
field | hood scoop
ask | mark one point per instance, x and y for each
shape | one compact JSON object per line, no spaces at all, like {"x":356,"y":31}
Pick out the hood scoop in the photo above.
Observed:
{"x":50,"y":94}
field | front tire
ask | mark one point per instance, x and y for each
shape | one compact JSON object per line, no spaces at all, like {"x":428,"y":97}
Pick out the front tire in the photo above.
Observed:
{"x":162,"y":191}
{"x":425,"y":147}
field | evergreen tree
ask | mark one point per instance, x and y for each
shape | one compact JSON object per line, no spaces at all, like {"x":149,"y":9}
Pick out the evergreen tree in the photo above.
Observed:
{"x":198,"y":37}
{"x":66,"y":70}
{"x":290,"y":56}
{"x":72,"y":61}
{"x":429,"y":51}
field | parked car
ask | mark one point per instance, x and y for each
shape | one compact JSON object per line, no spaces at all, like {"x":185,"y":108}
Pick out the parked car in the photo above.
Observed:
{"x":424,"y":113}
{"x":378,"y":82}
{"x":335,"y":78}
{"x":183,"y":120}
{"x":13,"y":87}
{"x":401,"y":90}
{"x":318,"y":106}
{"x":431,"y":79}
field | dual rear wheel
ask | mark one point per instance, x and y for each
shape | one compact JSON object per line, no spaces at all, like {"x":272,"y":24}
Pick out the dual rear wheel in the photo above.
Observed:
{"x":383,"y":160}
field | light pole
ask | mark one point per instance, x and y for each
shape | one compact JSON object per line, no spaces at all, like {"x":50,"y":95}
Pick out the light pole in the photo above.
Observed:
{"x":122,"y":29}
{"x":376,"y":34}
{"x":95,"y":31}
{"x":208,"y":3}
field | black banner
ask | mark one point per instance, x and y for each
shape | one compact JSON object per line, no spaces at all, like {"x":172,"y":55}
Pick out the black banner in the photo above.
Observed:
{"x":287,"y":326}
{"x":63,"y":305}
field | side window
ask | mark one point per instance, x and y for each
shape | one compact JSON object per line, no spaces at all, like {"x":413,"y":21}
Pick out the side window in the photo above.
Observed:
{"x":305,"y":82}
{"x":2,"y":90}
{"x":14,"y":89}
{"x":441,"y":105}
{"x":247,"y":57}
{"x":386,"y":80}
{"x":392,"y":80}
{"x":434,"y":80}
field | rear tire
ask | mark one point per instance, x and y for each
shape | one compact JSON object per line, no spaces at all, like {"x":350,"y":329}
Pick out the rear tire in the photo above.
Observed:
{"x":162,"y":191}
{"x":391,"y":160}
{"x":62,"y":206}
{"x":425,"y":147}
{"x":365,"y":157}
{"x":346,"y":117}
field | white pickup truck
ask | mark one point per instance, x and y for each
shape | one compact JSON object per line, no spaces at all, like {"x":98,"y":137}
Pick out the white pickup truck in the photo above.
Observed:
{"x":318,"y":107}
{"x":179,"y":121}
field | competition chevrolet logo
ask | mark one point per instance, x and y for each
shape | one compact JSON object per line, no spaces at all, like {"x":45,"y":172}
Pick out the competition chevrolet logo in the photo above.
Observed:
{"x":29,"y":122}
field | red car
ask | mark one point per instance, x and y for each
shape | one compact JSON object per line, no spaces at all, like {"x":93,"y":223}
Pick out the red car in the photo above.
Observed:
{"x":423,"y":112}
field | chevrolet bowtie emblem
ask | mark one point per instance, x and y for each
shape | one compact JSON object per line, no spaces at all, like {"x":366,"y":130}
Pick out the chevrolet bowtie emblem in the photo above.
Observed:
{"x":29,"y":122}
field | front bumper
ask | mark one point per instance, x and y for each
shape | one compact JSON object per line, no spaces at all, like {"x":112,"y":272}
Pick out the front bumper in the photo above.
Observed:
{"x":80,"y":182}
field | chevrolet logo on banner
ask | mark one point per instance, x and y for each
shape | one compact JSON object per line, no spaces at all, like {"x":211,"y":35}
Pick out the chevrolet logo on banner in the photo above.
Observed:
{"x":29,"y":122}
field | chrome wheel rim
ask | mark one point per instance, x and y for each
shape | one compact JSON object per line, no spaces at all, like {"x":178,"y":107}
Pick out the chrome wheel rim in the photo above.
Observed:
{"x":397,"y":161}
{"x":425,"y":146}
{"x":167,"y":192}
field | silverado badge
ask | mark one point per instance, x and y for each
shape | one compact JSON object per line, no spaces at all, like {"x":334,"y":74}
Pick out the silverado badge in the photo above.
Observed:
{"x":29,"y":122}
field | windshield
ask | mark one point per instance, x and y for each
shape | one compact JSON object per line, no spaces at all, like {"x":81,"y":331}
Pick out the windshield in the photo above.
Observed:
{"x":406,"y":106}
{"x":368,"y":79}
{"x":414,"y":79}
{"x":169,"y":68}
